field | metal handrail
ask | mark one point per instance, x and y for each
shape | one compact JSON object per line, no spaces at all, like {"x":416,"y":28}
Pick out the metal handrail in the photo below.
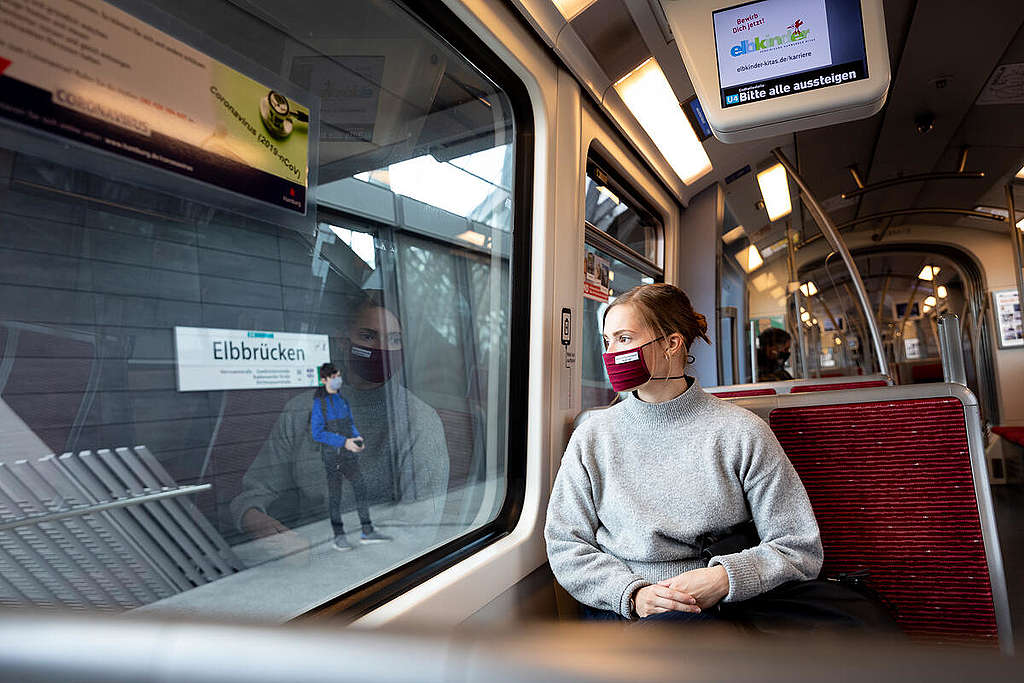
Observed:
{"x":32,"y":520}
{"x":951,"y":349}
{"x":896,"y":213}
{"x":837,"y":243}
{"x":916,"y":178}
{"x":1017,"y":242}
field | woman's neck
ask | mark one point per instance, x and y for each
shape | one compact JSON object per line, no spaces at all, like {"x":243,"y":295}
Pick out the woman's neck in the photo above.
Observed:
{"x":661,"y":390}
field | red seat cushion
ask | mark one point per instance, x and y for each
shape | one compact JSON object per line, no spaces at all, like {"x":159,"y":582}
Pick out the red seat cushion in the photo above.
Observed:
{"x":892,"y":489}
{"x":838,"y":386}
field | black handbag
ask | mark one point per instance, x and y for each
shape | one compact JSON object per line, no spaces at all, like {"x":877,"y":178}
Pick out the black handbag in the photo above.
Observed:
{"x":818,"y":604}
{"x":844,"y":601}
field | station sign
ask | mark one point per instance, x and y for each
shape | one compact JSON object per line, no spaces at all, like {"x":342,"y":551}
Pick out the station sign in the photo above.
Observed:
{"x":209,"y":359}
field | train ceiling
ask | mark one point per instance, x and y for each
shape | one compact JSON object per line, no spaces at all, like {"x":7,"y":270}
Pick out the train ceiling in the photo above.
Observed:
{"x":943,"y":54}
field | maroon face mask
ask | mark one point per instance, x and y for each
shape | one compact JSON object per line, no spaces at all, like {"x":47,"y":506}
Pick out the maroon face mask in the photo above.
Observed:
{"x":374,"y":365}
{"x":627,"y":369}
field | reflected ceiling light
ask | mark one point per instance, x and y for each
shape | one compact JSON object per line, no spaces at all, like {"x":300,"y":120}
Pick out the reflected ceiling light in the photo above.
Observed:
{"x":928,"y":273}
{"x":775,"y":190}
{"x":734,"y":234}
{"x":996,"y":211}
{"x":473,"y":237}
{"x":1020,"y":173}
{"x":805,"y":316}
{"x":930,"y":301}
{"x":764,"y":281}
{"x":749,"y":258}
{"x":777,"y":293}
{"x":814,"y":321}
{"x":942,"y":291}
{"x":571,"y":8}
{"x":602,"y":190}
{"x":611,"y":276}
{"x":926,"y":308}
{"x":646,"y":92}
{"x":647,"y":280}
{"x":809,"y":288}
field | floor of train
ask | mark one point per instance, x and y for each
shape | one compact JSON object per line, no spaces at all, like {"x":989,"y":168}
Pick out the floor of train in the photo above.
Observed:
{"x":1008,"y":501}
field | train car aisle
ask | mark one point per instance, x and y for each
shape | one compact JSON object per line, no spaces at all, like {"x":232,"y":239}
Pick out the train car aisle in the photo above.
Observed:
{"x":1008,"y":501}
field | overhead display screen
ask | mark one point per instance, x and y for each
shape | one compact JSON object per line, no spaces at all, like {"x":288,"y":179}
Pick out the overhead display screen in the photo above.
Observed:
{"x":773,"y":48}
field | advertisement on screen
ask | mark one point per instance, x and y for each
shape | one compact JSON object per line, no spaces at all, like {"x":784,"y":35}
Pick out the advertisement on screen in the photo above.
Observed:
{"x":89,"y":72}
{"x":209,"y":359}
{"x":774,"y":48}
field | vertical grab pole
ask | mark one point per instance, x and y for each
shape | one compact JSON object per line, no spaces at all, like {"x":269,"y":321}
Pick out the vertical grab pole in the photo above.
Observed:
{"x":794,"y":282}
{"x":1016,"y":239}
{"x":951,"y":349}
{"x":832,"y":235}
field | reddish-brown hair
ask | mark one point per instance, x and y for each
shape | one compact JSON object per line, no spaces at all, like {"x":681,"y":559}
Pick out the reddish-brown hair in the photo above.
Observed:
{"x":666,"y":310}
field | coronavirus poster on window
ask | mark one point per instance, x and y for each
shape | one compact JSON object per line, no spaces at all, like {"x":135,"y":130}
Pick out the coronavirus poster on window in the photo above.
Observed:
{"x":596,"y":277}
{"x":86,"y":71}
{"x":213,"y":359}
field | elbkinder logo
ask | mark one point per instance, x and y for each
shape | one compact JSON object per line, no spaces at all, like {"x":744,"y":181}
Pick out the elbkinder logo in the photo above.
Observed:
{"x":795,"y":35}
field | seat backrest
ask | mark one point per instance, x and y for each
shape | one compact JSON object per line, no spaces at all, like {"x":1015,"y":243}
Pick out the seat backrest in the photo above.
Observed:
{"x":737,"y":393}
{"x":805,"y":388}
{"x":897,"y":480}
{"x":798,"y":386}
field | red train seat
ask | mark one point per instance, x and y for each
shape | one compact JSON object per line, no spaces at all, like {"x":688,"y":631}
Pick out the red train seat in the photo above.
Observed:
{"x":742,"y":392}
{"x":804,"y":388}
{"x":898,"y":488}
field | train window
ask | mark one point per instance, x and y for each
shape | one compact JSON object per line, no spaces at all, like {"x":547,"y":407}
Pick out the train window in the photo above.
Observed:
{"x":623,"y":248}
{"x":611,"y":208}
{"x":166,"y":446}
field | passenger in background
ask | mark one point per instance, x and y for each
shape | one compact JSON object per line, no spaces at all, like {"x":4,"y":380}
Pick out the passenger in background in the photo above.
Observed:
{"x":772,"y":354}
{"x":340,"y":446}
{"x":402,"y":435}
{"x":647,"y":486}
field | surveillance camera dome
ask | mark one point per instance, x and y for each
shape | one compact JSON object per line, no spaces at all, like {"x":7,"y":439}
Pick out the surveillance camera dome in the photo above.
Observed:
{"x":924,"y":122}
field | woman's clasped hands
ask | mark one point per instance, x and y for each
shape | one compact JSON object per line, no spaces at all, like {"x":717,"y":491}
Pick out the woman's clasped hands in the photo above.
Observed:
{"x":691,"y":591}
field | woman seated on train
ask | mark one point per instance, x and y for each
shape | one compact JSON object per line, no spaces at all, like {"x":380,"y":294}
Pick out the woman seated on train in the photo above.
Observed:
{"x":644,"y":485}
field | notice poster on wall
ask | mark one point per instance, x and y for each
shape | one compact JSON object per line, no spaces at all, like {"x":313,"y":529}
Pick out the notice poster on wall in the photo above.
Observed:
{"x":773,"y":48}
{"x":210,"y":359}
{"x":1006,"y":305}
{"x":87,"y":71}
{"x":596,"y":278}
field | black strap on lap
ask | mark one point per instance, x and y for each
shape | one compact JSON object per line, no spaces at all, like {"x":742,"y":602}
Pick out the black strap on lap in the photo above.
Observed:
{"x":732,"y":540}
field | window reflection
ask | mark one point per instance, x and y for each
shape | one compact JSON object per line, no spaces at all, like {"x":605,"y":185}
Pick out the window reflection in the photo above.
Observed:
{"x":385,"y":277}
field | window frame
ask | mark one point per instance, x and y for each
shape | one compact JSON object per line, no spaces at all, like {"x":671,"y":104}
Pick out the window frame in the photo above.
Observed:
{"x":598,"y":238}
{"x":358,"y":601}
{"x":601,"y":241}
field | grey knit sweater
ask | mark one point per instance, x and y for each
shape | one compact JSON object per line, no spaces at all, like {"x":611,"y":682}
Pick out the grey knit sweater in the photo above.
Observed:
{"x":639,"y":482}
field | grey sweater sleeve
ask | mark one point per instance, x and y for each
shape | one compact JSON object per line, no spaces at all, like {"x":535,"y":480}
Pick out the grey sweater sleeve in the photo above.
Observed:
{"x":589,"y":574}
{"x":271,"y":473}
{"x":790,"y":548}
{"x":426,"y":465}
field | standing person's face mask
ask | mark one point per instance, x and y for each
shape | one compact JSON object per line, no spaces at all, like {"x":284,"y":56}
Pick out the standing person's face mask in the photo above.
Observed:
{"x":334,"y":383}
{"x":627,"y":369}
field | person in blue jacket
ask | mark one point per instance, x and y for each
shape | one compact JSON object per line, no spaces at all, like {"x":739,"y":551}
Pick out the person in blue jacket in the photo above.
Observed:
{"x":340,"y":443}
